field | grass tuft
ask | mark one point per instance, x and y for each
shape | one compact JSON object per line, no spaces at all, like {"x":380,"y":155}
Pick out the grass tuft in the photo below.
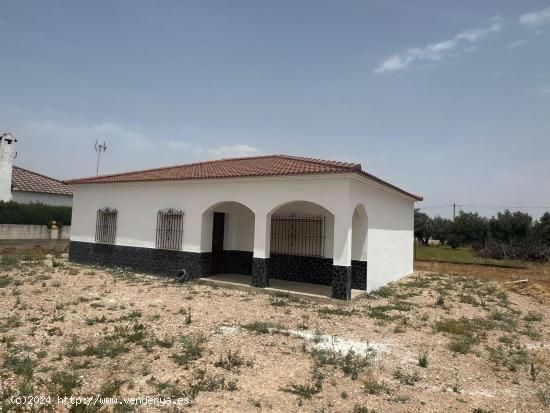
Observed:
{"x":190,"y":350}
{"x":262,"y":327}
{"x":409,"y":379}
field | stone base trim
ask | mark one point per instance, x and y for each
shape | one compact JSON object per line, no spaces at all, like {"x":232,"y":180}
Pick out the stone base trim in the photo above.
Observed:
{"x":193,"y":265}
{"x":237,"y":262}
{"x":260,"y":272}
{"x":341,"y":282}
{"x":186,"y":265}
{"x":312,"y":270}
{"x":359,"y":275}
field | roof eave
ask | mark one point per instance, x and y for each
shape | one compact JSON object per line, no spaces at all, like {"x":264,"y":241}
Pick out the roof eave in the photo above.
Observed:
{"x":372,"y":178}
{"x":42,"y":192}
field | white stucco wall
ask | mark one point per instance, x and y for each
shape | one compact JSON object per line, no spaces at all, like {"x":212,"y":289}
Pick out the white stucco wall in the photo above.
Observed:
{"x":238,"y":229}
{"x":138,"y":204}
{"x":33,"y":232}
{"x":388,"y":247}
{"x":390,"y":232}
{"x":48,"y":199}
{"x":7,"y":155}
{"x":359,"y":236}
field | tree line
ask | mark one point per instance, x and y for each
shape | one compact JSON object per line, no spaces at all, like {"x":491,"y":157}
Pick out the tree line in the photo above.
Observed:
{"x":34,"y":214}
{"x":508,"y":235}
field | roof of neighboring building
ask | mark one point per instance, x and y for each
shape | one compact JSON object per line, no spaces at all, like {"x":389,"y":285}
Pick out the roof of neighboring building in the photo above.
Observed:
{"x":23,"y":180}
{"x":268,"y":165}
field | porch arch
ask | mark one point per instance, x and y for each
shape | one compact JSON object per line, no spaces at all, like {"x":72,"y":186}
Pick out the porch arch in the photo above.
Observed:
{"x":227,"y":233}
{"x":297,"y":203}
{"x":301,"y":239}
{"x":359,"y":237}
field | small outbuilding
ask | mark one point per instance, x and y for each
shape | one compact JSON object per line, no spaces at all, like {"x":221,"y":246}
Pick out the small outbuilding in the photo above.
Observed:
{"x":267,"y":217}
{"x":28,"y":187}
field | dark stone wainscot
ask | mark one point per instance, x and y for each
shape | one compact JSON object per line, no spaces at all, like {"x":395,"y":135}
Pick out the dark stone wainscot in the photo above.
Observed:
{"x":260,"y":272}
{"x":359,"y":275}
{"x":186,"y":265}
{"x":341,"y":283}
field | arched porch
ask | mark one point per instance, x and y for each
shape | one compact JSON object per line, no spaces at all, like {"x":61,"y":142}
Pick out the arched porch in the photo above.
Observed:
{"x":300,"y":245}
{"x":359,"y":240}
{"x":227,"y":233}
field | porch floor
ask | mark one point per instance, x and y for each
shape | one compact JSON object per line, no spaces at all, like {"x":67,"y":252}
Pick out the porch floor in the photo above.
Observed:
{"x":296,"y":289}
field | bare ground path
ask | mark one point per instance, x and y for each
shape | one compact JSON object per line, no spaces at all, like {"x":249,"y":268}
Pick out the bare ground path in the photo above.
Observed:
{"x":428,"y":343}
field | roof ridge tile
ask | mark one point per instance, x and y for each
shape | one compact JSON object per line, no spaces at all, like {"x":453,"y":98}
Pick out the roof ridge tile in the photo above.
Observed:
{"x":251,"y":166}
{"x":25,"y":180}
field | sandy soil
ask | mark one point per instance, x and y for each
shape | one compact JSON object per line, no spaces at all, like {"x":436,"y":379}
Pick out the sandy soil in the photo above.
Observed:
{"x":538,"y":276}
{"x":71,"y":329}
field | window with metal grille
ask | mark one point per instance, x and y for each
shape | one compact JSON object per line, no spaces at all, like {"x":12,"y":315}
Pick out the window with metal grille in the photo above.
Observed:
{"x":169,"y":229}
{"x":105,"y":227}
{"x":298,"y":235}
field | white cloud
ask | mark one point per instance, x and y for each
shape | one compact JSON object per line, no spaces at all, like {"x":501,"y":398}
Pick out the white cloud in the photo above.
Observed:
{"x":233,"y":150}
{"x":63,"y":150}
{"x":463,"y":42}
{"x":536,"y":19}
{"x":516,"y":43}
{"x":395,"y":62}
{"x":111,"y":132}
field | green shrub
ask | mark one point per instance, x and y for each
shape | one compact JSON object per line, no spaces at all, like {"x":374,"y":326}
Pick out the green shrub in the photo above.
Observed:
{"x":111,"y":387}
{"x":208,"y":382}
{"x":350,"y":363}
{"x":453,"y":326}
{"x":307,"y":391}
{"x":34,"y":214}
{"x":533,"y":316}
{"x":409,"y":379}
{"x":463,"y":344}
{"x":191,"y":349}
{"x":339,"y":311}
{"x":63,"y":383}
{"x":372,"y":386}
{"x":231,"y":361}
{"x":5,"y":281}
{"x":106,"y":347}
{"x":423,"y":359}
{"x":20,"y":366}
{"x":262,"y":327}
{"x":509,"y":356}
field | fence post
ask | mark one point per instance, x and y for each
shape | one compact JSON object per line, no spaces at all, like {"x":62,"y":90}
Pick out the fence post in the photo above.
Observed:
{"x":54,"y":231}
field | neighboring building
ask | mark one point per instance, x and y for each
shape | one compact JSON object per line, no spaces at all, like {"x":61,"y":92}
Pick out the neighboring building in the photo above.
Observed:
{"x":276,"y":216}
{"x":24,"y":186}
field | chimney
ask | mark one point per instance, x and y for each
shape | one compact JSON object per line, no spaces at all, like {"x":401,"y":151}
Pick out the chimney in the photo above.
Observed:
{"x":7,"y":155}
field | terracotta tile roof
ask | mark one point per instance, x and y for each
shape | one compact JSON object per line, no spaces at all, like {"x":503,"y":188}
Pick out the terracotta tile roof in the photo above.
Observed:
{"x":269,"y":165}
{"x":23,"y":180}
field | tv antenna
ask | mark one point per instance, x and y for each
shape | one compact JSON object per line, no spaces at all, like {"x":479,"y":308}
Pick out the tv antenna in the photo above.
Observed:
{"x":100,"y":146}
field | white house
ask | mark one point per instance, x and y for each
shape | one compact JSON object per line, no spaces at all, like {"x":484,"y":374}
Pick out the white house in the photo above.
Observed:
{"x":269,"y":217}
{"x":24,"y":186}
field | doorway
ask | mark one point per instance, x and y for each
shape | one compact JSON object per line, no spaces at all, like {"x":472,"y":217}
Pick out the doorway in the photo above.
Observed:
{"x":217,"y":242}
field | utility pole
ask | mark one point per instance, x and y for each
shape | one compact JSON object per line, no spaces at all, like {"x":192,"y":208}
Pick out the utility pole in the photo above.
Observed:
{"x":100,"y":146}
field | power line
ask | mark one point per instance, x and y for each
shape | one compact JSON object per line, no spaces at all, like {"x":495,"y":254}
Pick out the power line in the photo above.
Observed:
{"x":436,"y":206}
{"x":485,"y":206}
{"x":504,"y":207}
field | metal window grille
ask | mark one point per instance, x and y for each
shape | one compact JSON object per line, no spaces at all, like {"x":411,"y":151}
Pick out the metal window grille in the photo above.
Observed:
{"x":105,"y":228}
{"x":169,"y":229}
{"x":298,"y":235}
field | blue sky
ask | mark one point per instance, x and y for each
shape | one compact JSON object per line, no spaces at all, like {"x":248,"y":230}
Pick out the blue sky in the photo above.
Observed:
{"x":449,"y":99}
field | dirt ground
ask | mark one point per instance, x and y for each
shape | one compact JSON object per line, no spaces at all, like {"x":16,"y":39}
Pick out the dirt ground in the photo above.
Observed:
{"x":538,"y":276}
{"x":10,"y":247}
{"x":428,"y":343}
